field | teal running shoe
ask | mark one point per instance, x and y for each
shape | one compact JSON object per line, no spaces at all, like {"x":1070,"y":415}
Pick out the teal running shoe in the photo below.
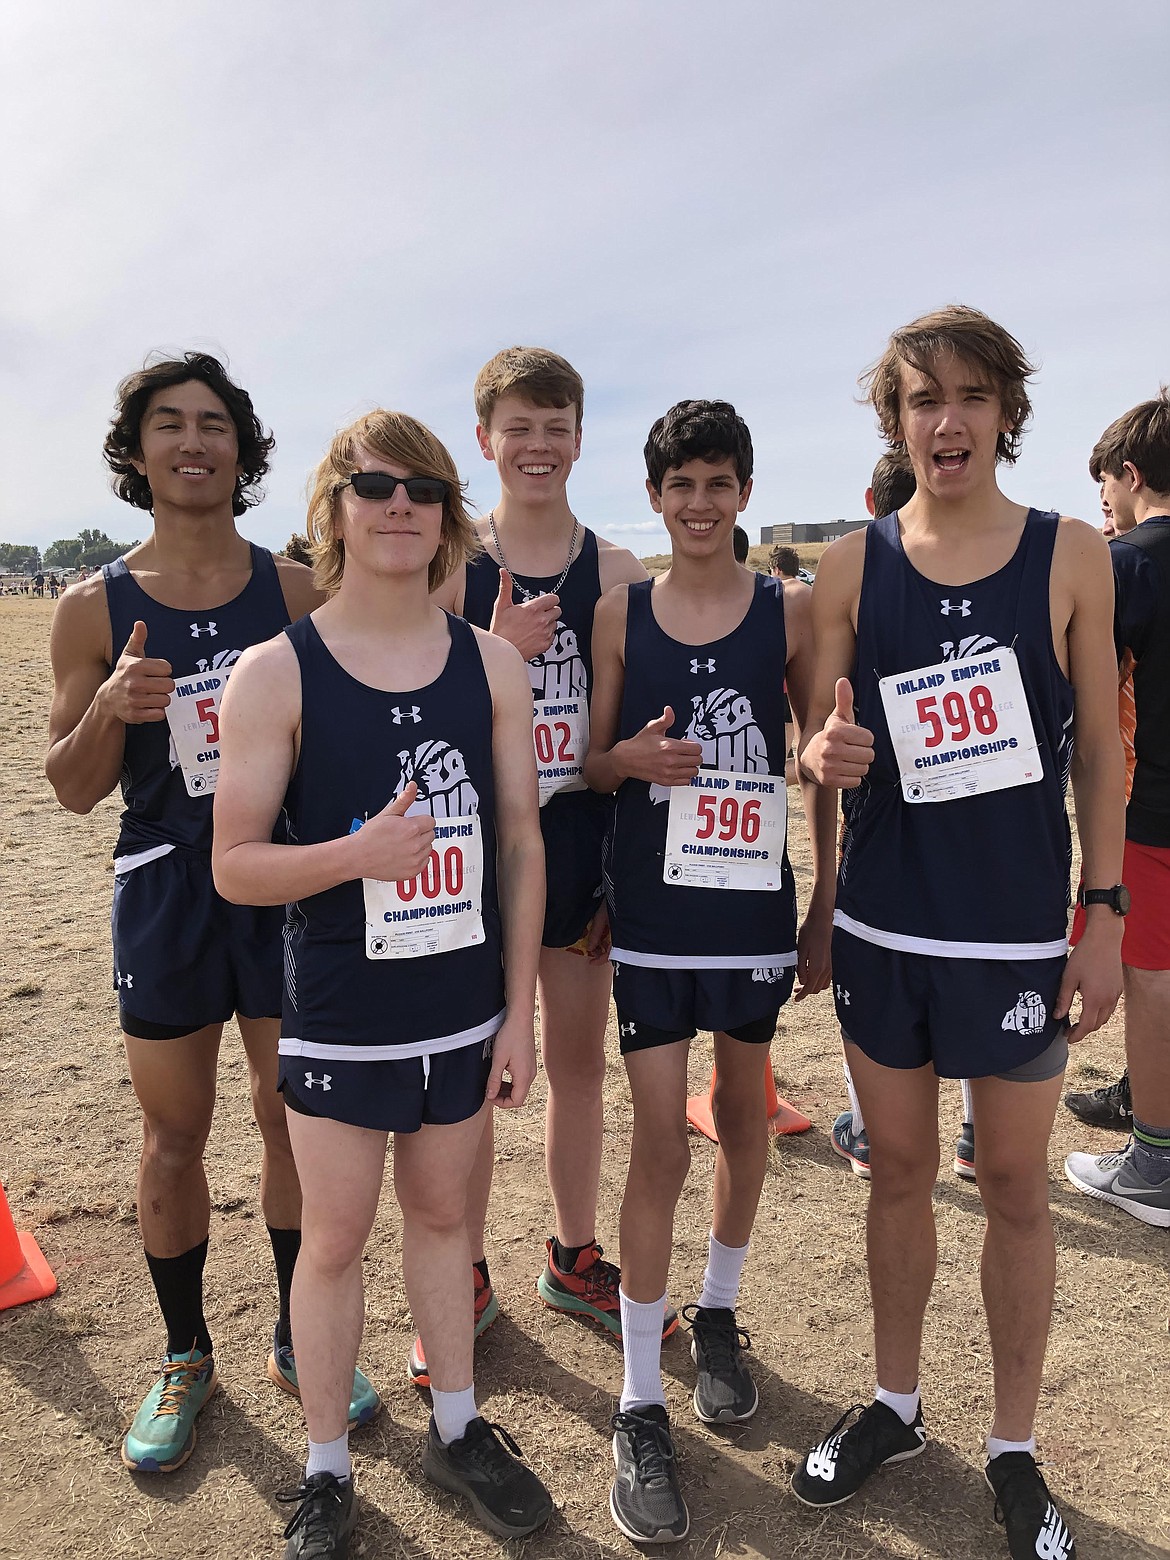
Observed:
{"x":364,"y":1401}
{"x":162,"y":1436}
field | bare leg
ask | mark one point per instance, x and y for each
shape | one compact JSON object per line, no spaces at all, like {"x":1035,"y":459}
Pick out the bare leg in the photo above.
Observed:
{"x":431,"y":1171}
{"x":742,"y":1124}
{"x":280,"y":1189}
{"x":1147,"y":1042}
{"x":574,"y":1007}
{"x":1013,"y":1122}
{"x":660,"y":1157}
{"x":341,"y":1171}
{"x":901,"y":1118}
{"x":175,"y":1084}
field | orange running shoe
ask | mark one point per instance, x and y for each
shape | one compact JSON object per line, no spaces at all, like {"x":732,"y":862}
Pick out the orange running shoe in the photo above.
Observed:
{"x":486,"y":1310}
{"x":590,"y":1290}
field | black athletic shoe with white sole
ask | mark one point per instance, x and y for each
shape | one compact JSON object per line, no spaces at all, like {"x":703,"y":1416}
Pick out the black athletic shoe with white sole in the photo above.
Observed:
{"x":840,"y":1465}
{"x":724,"y":1393}
{"x":645,"y":1500}
{"x":1031,"y":1521}
{"x":484,"y":1466}
{"x":324,"y":1519}
{"x":1111,"y":1106}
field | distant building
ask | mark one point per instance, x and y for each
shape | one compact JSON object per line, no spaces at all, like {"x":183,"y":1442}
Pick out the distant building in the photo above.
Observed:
{"x":824,"y":531}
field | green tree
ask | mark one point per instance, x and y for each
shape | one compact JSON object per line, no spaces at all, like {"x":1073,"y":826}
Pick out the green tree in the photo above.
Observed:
{"x":89,"y":549}
{"x":63,"y":554}
{"x":18,"y":557}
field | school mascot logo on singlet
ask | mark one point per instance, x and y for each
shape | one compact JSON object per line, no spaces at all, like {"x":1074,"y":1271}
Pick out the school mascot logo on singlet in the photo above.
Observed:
{"x":439,"y":771}
{"x":973,"y":644}
{"x":559,"y":673}
{"x":723,"y":724}
{"x":1029,"y":1015}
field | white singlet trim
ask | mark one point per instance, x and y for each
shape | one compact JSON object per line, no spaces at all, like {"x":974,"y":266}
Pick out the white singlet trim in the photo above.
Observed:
{"x":391,"y":1053}
{"x":694,"y":961}
{"x":902,"y":943}
{"x":140,"y":858}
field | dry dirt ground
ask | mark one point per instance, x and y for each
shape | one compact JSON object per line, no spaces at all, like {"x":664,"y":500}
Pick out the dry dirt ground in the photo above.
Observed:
{"x":72,"y":1369}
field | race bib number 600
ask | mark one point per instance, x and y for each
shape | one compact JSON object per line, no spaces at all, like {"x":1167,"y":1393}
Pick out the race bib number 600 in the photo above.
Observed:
{"x":961,"y":728}
{"x":726,"y":830}
{"x":437,"y":911}
{"x":193,"y":716}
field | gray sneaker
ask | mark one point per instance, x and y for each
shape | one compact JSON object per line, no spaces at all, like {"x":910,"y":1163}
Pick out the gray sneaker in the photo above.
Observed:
{"x":1114,"y":1178}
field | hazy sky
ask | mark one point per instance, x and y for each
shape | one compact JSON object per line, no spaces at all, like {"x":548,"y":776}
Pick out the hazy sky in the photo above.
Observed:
{"x":358,"y":204}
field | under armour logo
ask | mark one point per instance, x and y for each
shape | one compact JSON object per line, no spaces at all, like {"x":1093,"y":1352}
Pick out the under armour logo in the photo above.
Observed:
{"x":626,"y":1030}
{"x":413,"y":713}
{"x":209,"y":628}
{"x":706,"y":666}
{"x":842,"y":996}
{"x":963,"y":608}
{"x":323,"y":1081}
{"x":121,"y":980}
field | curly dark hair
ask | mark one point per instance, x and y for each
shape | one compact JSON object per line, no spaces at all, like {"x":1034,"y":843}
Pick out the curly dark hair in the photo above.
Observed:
{"x":698,"y":430}
{"x":124,"y":442}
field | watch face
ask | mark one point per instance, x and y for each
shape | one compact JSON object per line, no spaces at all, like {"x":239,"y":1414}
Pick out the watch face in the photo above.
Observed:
{"x":1121,"y":896}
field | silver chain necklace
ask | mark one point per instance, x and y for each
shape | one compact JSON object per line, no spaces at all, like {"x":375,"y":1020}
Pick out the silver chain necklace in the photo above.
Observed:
{"x":564,"y":574}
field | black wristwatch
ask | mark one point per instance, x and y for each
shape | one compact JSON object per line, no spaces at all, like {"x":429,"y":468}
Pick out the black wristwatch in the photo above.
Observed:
{"x":1116,"y":898}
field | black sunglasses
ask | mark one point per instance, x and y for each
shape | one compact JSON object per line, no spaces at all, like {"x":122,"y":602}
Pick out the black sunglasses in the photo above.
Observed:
{"x":381,"y":485}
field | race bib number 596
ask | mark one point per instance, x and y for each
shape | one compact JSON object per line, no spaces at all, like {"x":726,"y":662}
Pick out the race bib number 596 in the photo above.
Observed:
{"x":436,"y":911}
{"x":961,"y":728}
{"x":726,"y":830}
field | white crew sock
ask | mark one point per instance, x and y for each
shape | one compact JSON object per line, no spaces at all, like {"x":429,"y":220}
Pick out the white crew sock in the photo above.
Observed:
{"x":453,"y":1412}
{"x":330,"y":1457}
{"x":968,"y":1108}
{"x":642,"y":1350}
{"x":721,"y":1280}
{"x":854,"y":1103}
{"x":996,"y":1447}
{"x":904,"y":1404}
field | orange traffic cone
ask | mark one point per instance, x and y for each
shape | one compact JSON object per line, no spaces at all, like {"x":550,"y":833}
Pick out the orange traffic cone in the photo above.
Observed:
{"x":24,"y":1273}
{"x":782,"y":1117}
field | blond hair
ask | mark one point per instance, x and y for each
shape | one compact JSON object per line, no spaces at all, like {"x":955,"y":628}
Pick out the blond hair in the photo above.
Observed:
{"x":403,"y":441}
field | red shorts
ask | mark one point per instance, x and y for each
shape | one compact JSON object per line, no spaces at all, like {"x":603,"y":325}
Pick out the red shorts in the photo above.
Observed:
{"x":1146,"y":873}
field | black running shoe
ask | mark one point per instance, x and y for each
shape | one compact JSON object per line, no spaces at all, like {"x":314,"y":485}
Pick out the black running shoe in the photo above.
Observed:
{"x":964,"y":1162}
{"x":840,"y":1465}
{"x":324,"y":1519}
{"x":724,"y":1392}
{"x":484,"y":1466}
{"x":644,"y":1500}
{"x":1111,"y":1106}
{"x":1024,"y":1506}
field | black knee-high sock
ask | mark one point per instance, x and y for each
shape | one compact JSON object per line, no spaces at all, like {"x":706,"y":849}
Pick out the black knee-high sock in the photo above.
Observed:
{"x":285,"y":1246}
{"x":178,"y":1283}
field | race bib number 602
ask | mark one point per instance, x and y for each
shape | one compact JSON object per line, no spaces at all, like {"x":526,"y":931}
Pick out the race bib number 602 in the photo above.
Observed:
{"x":726,"y":830}
{"x":438,"y":910}
{"x":961,"y":728}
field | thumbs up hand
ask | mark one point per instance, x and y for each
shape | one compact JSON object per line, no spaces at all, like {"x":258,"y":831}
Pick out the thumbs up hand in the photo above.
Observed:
{"x":390,"y":846}
{"x":842,"y":751}
{"x":529,"y":625}
{"x":657,"y":758}
{"x":139,"y":688}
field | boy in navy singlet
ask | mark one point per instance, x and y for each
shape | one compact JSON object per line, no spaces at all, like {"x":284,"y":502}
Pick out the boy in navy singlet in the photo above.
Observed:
{"x":1132,"y":462}
{"x":689,"y":730}
{"x":141,"y":654}
{"x":962,"y":644}
{"x":536,"y":582}
{"x":395,"y":742}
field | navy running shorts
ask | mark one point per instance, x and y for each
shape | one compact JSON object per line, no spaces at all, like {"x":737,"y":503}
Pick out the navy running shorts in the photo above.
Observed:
{"x":184,"y":957}
{"x":573,"y":824}
{"x":973,"y":1018}
{"x":658,"y":1007}
{"x":390,"y":1096}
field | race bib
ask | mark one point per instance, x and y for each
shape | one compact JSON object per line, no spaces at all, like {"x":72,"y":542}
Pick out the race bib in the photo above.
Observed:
{"x":726,"y":830}
{"x":560,"y":735}
{"x":193,"y":716}
{"x":437,"y":911}
{"x":961,"y":728}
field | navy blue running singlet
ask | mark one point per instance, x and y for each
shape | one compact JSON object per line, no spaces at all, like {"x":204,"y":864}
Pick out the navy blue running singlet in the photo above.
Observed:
{"x":981,"y":874}
{"x":728,"y":696}
{"x":361,"y":982}
{"x":163,"y":807}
